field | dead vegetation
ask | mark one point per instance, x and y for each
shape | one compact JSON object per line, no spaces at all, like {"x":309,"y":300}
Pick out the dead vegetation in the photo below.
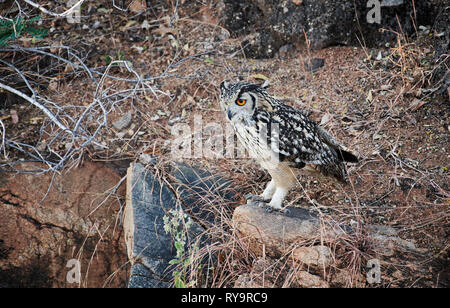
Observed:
{"x":161,"y":63}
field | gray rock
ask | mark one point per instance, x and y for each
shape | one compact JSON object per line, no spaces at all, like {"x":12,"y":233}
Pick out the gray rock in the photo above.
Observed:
{"x":123,"y":122}
{"x":275,"y":232}
{"x":148,"y":245}
{"x":285,"y":50}
{"x":387,"y":241}
{"x":142,"y":277}
{"x":382,"y":230}
{"x":314,"y":64}
{"x":197,"y":188}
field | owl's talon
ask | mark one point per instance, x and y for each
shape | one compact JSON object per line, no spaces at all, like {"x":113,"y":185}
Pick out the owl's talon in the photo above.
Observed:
{"x":249,"y":196}
{"x":259,"y":203}
{"x":285,"y":211}
{"x":269,"y":209}
{"x":256,"y":202}
{"x":254,"y":198}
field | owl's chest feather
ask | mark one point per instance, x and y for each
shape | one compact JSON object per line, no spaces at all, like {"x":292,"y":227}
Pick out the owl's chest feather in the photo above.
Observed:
{"x":257,"y":147}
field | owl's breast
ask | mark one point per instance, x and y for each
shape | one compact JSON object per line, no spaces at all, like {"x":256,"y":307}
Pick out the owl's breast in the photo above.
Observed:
{"x":256,"y":146}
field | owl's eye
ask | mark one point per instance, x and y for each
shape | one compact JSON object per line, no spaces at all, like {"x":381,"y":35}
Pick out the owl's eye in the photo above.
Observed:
{"x":240,"y":102}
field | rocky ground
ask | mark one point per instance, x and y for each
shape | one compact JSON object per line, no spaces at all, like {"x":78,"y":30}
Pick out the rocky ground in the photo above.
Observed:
{"x":380,"y":101}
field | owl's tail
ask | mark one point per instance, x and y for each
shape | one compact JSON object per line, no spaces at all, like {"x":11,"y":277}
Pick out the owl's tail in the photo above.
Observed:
{"x":342,"y":154}
{"x":346,"y":156}
{"x":337,"y":169}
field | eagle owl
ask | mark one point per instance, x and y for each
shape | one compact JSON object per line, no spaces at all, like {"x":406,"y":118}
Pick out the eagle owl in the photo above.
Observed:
{"x":281,"y":138}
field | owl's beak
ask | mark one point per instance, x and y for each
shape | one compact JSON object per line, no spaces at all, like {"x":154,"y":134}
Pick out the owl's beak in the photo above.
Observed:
{"x":229,"y":114}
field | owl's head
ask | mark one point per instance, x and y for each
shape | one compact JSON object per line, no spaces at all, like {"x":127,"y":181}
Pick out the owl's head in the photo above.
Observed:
{"x":239,"y":100}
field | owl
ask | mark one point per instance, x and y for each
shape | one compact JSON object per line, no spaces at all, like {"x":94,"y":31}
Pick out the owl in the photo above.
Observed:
{"x":281,"y":138}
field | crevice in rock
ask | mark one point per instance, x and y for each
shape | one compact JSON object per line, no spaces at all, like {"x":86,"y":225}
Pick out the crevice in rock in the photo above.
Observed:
{"x":39,"y":225}
{"x":5,"y":198}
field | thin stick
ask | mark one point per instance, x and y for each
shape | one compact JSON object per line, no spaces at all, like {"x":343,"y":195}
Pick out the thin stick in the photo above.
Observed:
{"x":44,"y":10}
{"x":35,"y":103}
{"x":3,"y":139}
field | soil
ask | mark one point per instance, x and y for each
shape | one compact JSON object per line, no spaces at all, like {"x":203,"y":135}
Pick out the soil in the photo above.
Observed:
{"x":380,"y":109}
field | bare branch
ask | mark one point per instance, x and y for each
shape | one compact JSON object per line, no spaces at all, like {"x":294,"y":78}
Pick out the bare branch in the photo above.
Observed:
{"x":3,"y":139}
{"x":37,"y":104}
{"x":44,"y":10}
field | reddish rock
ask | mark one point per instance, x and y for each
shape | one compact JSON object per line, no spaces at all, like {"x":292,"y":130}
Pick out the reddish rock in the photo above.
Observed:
{"x":307,"y":280}
{"x":76,"y":220}
{"x":317,"y":256}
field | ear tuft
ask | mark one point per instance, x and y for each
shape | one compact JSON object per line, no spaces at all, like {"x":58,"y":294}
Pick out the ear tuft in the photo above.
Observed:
{"x":266,"y":84}
{"x":224,"y":85}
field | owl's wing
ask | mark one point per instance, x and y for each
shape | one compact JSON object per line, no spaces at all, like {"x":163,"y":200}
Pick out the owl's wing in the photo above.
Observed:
{"x":297,"y":139}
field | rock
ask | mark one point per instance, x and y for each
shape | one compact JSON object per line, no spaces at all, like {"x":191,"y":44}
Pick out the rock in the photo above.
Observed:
{"x":275,"y":231}
{"x":142,"y":277}
{"x":123,"y":122}
{"x":382,"y":230}
{"x":307,"y":280}
{"x":199,"y":190}
{"x":285,"y":51}
{"x":387,"y":241}
{"x":272,"y":24}
{"x":345,"y":278}
{"x":261,"y":45}
{"x":274,"y":234}
{"x":147,"y":159}
{"x":271,"y":273}
{"x":244,"y":281}
{"x":75,"y":220}
{"x":263,"y":274}
{"x":318,"y":256}
{"x":314,"y":64}
{"x":398,"y":275}
{"x":441,"y":28}
{"x":149,"y":247}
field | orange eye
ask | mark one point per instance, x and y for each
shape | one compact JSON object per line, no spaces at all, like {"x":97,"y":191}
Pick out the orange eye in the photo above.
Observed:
{"x":241,"y":102}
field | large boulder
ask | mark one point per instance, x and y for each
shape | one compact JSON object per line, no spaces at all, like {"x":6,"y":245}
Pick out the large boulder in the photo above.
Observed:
{"x":150,"y":244}
{"x":53,"y":226}
{"x":152,"y":205}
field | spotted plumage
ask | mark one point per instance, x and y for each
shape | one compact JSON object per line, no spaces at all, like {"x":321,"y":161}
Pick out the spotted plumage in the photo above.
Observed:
{"x":281,"y":138}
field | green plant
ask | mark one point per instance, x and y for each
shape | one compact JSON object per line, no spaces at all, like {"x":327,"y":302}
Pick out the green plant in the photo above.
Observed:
{"x":11,"y":29}
{"x":177,"y":224}
{"x":118,"y":57}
